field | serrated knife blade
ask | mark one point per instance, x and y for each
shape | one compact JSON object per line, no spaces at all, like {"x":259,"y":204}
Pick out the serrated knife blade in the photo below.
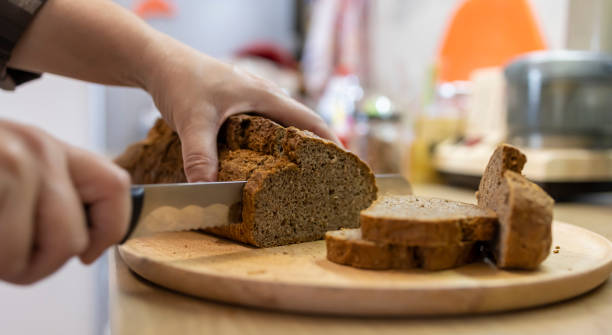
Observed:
{"x":191,"y":206}
{"x":183,"y":206}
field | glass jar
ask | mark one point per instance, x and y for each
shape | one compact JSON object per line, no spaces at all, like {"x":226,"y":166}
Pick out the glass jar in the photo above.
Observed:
{"x":376,"y":136}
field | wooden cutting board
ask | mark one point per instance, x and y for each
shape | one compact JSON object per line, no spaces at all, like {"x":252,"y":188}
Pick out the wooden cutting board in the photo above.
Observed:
{"x":299,"y":278}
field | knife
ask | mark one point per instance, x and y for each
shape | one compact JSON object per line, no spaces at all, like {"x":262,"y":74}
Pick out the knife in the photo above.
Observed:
{"x":190,"y":206}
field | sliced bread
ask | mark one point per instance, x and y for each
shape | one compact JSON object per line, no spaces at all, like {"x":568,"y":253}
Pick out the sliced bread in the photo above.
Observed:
{"x":420,"y":221}
{"x":524,"y":210}
{"x":298,"y":185}
{"x":347,"y":247}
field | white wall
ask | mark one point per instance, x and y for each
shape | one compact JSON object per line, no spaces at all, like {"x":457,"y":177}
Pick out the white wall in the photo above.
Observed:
{"x":72,"y":301}
{"x":66,"y":108}
{"x":590,"y":25}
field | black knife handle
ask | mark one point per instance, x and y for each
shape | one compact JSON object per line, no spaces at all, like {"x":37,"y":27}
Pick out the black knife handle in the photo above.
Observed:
{"x":137,"y":193}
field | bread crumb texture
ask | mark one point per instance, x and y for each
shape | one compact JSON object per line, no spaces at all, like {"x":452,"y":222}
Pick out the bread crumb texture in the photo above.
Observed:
{"x":422,"y":221}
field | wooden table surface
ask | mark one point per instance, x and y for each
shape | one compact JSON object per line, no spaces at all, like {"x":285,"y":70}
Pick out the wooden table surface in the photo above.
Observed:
{"x":138,"y":307}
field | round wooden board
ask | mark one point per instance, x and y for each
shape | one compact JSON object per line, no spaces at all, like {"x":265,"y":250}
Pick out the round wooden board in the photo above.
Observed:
{"x":299,"y":278}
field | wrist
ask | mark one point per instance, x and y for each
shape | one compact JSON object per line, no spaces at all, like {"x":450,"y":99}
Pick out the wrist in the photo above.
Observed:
{"x":170,"y":71}
{"x":154,"y":57}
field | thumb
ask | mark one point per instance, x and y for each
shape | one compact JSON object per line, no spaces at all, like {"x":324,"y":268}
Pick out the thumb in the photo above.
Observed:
{"x":199,"y":146}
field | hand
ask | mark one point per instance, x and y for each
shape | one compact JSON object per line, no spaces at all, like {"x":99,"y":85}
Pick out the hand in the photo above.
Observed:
{"x":196,"y":94}
{"x":43,"y":186}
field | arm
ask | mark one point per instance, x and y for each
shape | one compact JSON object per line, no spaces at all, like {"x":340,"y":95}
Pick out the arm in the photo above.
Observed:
{"x":93,"y":40}
{"x":96,"y":40}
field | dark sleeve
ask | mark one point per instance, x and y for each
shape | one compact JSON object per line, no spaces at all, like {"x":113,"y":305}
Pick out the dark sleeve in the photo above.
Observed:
{"x":15,"y":16}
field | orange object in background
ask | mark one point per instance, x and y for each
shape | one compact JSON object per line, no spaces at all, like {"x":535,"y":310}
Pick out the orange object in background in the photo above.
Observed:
{"x":148,"y":9}
{"x":485,"y":33}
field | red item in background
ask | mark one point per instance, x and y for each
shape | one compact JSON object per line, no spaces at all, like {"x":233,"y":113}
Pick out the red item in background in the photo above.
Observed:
{"x":486,"y":33}
{"x":148,"y":9}
{"x":269,"y":51}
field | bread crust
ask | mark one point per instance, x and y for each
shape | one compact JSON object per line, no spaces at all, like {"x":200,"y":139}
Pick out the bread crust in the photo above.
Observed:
{"x":156,"y":159}
{"x":525,"y":235}
{"x":348,"y":248}
{"x":505,"y":158}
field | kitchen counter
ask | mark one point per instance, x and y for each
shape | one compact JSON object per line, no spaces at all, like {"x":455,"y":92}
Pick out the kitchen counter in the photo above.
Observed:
{"x":139,"y":307}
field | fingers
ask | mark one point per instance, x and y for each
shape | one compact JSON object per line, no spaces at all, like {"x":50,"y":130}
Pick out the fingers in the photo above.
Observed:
{"x":291,"y":112}
{"x":105,"y":188}
{"x":199,"y":147}
{"x":61,"y":232}
{"x":17,"y":202}
{"x":43,"y":186}
{"x":273,"y":103}
{"x":58,"y":229}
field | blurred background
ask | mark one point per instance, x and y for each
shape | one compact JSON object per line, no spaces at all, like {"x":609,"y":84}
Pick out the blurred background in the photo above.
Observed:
{"x":422,"y":88}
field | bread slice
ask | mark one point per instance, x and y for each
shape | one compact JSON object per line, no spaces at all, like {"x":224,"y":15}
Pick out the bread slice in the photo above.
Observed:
{"x":504,"y":158}
{"x":420,"y":221}
{"x":298,"y":185}
{"x":524,"y":210}
{"x":347,"y":247}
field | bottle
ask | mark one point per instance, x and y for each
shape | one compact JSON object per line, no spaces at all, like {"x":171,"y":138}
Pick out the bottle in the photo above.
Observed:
{"x":338,"y":104}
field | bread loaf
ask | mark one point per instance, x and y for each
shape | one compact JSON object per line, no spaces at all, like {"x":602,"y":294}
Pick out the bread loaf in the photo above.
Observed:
{"x":298,"y":185}
{"x":421,"y":221}
{"x":347,"y":247}
{"x":524,"y":210}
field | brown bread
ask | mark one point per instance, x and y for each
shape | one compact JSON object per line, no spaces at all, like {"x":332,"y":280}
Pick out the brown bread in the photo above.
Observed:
{"x":525,"y":211}
{"x":156,"y":159}
{"x":347,"y":247}
{"x":421,"y":221}
{"x":298,"y":185}
{"x":505,"y":157}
